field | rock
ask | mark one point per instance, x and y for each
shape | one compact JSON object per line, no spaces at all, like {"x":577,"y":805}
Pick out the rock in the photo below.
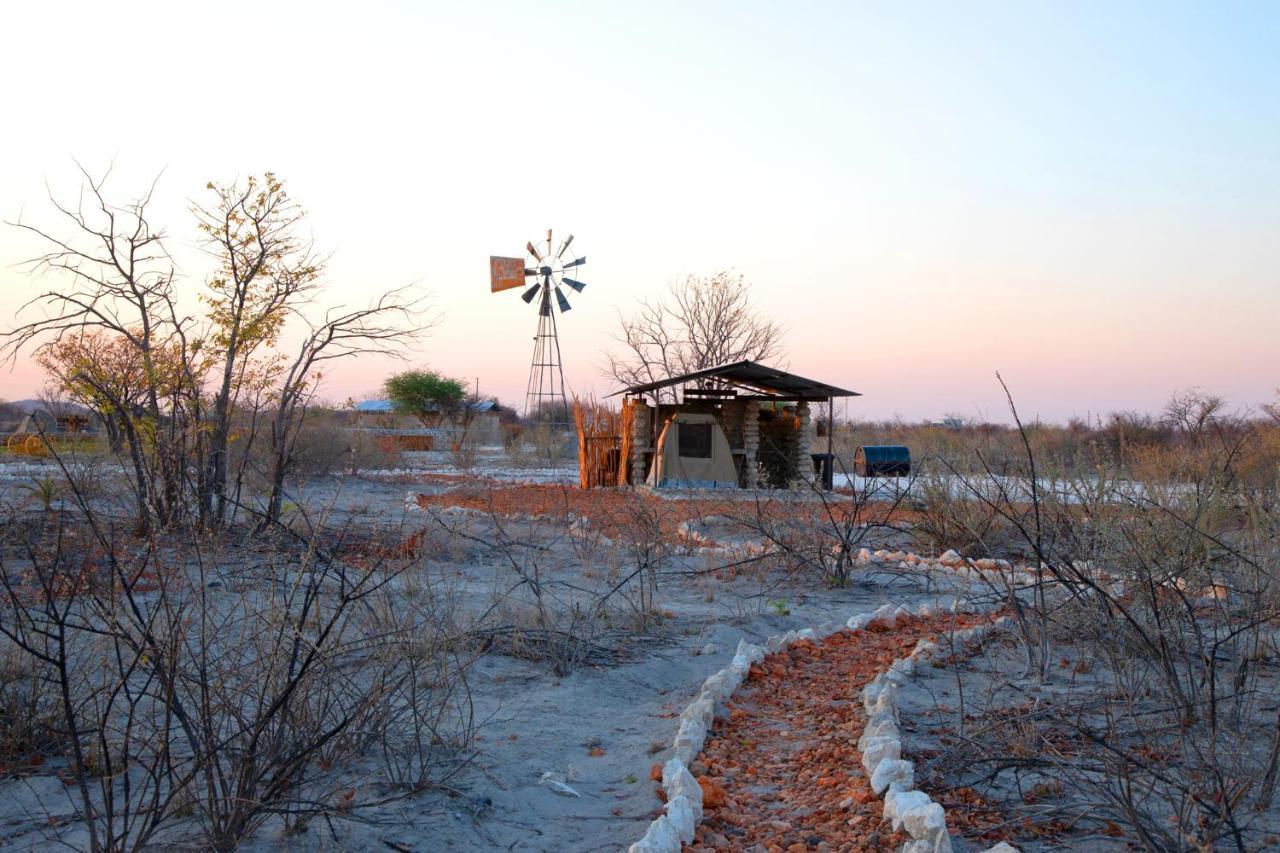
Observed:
{"x":1002,"y":847}
{"x":893,"y":772}
{"x":879,"y":726}
{"x":678,"y":783}
{"x":710,"y":649}
{"x":661,"y":837}
{"x":858,"y":621}
{"x":884,"y":617}
{"x":683,"y":820}
{"x":713,"y":795}
{"x":880,"y":749}
{"x":899,"y":803}
{"x":925,"y":823}
{"x":924,"y":648}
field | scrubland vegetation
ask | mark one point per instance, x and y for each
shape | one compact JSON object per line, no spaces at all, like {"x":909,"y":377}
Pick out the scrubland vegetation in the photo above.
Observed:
{"x":215,"y":633}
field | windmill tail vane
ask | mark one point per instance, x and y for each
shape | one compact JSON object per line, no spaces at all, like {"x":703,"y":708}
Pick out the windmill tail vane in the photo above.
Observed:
{"x":542,"y":274}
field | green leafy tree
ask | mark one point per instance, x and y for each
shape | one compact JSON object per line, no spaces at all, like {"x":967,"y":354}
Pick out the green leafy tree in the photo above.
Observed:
{"x":427,"y":395}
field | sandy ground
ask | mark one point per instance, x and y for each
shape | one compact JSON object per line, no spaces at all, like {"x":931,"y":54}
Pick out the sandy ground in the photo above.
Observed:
{"x":532,"y":721}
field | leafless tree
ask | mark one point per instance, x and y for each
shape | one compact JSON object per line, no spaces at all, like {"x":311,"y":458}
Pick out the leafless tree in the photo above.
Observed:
{"x":196,"y":381}
{"x":385,"y":326}
{"x":702,"y":322}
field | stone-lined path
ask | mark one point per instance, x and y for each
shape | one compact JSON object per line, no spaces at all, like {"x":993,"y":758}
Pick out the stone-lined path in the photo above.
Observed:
{"x":783,"y":771}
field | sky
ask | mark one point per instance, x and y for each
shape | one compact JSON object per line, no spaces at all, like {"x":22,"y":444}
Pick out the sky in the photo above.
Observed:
{"x":1083,"y":197}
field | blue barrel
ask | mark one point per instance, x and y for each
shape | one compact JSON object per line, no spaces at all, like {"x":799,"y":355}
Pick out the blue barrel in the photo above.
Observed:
{"x":882,"y":460}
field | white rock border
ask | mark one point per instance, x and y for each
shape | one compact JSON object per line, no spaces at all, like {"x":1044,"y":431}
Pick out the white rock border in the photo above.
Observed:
{"x":880,"y":744}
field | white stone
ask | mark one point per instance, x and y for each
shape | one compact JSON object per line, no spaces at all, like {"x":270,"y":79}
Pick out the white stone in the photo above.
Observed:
{"x":880,"y":749}
{"x":925,"y":649}
{"x":807,"y":634}
{"x":680,"y":813}
{"x":678,"y":783}
{"x":858,"y":621}
{"x":898,"y":803}
{"x":880,"y":697}
{"x":753,"y":653}
{"x":925,"y":822}
{"x":661,"y":837}
{"x":879,"y":726}
{"x":892,"y":772}
{"x":884,"y":616}
{"x":710,"y":649}
{"x":906,"y":666}
{"x":1002,"y":847}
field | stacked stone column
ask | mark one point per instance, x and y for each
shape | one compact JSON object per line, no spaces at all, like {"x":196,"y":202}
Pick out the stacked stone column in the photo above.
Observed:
{"x":640,"y":442}
{"x":803,"y":462}
{"x":751,"y":442}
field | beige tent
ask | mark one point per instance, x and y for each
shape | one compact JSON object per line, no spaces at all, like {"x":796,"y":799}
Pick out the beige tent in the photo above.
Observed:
{"x":692,"y":453}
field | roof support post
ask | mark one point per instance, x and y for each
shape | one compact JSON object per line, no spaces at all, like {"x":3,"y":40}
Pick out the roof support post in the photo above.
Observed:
{"x":751,"y":443}
{"x":804,"y":442}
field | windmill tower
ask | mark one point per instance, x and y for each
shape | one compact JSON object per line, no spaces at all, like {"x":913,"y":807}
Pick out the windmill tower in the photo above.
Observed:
{"x":542,"y":272}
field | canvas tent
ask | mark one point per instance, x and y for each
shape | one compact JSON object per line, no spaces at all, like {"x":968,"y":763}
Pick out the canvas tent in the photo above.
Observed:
{"x":693,"y":453}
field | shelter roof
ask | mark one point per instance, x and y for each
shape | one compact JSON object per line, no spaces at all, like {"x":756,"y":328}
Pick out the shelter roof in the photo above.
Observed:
{"x":757,"y":379}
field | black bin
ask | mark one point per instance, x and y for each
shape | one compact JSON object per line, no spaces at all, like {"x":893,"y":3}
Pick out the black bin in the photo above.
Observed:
{"x":882,"y":460}
{"x":823,"y":469}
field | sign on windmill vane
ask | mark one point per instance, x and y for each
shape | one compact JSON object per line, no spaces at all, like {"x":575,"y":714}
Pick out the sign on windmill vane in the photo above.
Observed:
{"x":505,"y":273}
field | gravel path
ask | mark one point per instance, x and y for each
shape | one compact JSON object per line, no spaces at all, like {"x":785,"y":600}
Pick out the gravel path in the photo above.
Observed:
{"x":785,"y":764}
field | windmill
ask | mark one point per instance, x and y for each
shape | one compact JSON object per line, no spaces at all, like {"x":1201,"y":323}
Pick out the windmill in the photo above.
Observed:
{"x":542,"y":272}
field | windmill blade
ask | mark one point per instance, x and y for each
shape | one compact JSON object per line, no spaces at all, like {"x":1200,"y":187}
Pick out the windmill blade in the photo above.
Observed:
{"x":530,"y":271}
{"x":564,"y":245}
{"x":533,"y":251}
{"x":548,"y":242}
{"x":529,"y":294}
{"x":545,"y":308}
{"x":561,"y":301}
{"x":576,"y":285}
{"x":576,"y":262}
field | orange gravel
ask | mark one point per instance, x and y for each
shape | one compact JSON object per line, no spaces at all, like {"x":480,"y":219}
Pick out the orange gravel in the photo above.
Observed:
{"x":614,"y":511}
{"x":785,"y":765}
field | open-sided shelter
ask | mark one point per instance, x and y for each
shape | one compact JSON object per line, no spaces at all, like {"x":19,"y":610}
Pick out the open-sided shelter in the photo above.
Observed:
{"x":688,"y":430}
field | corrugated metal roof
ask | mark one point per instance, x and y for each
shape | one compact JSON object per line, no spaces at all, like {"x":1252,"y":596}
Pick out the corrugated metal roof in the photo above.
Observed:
{"x":765,"y":381}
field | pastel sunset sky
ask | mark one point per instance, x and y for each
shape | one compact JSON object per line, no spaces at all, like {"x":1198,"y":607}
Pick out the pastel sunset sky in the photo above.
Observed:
{"x":1082,"y":196}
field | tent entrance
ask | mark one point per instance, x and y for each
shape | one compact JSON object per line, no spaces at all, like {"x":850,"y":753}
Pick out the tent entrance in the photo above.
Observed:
{"x":692,"y":453}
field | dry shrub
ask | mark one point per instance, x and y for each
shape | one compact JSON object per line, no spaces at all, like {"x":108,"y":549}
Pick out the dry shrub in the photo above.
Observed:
{"x":1163,"y":591}
{"x":236,"y":685}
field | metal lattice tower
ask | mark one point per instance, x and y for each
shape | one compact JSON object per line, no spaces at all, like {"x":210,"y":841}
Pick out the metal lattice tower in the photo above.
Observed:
{"x":545,"y":396}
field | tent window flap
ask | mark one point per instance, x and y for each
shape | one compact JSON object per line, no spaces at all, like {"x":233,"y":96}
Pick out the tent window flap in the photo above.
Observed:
{"x":694,"y":441}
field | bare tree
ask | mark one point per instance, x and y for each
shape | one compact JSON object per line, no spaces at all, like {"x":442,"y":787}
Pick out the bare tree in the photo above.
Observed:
{"x":388,"y":324}
{"x":178,"y":388}
{"x":702,"y":323}
{"x":114,"y":275}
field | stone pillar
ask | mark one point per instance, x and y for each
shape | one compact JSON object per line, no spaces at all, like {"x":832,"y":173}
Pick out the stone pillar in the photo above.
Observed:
{"x":804,"y":441}
{"x":640,"y":442}
{"x":751,"y":442}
